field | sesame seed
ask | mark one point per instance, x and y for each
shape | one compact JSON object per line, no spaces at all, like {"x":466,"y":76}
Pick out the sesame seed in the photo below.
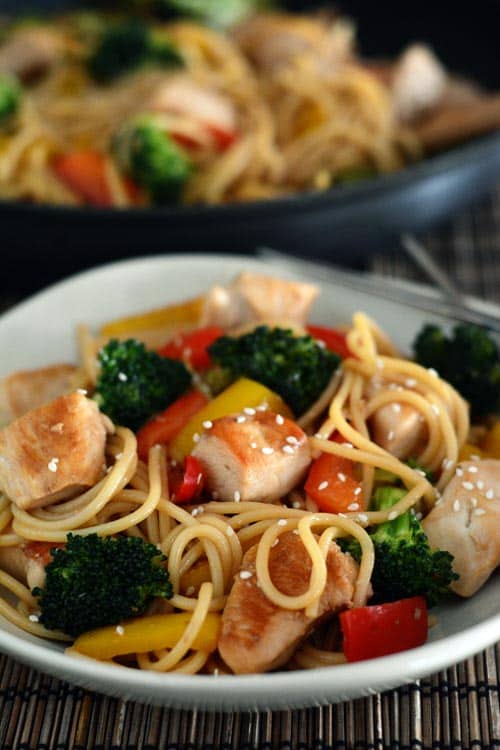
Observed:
{"x":52,"y":465}
{"x":119,"y":456}
{"x":197,"y":511}
{"x":196,"y":437}
{"x":433,"y":372}
{"x":347,"y":445}
{"x":456,"y":506}
{"x":323,"y":485}
{"x":490,"y":494}
{"x":392,"y":515}
{"x":435,"y":409}
{"x":276,"y":541}
{"x":362,"y":517}
{"x":419,"y":515}
{"x":33,"y":618}
{"x":282,"y":522}
{"x":473,"y":469}
{"x":353,"y":506}
{"x":248,"y":410}
{"x":288,"y":449}
{"x":268,"y":451}
{"x":479,"y":512}
{"x":390,"y":435}
{"x":467,"y":485}
{"x":245,"y":574}
{"x":296,"y":504}
{"x":358,"y":491}
{"x":237,"y":496}
{"x":123,"y":377}
{"x":58,"y":427}
{"x":475,"y":457}
{"x":199,"y":478}
{"x":292,"y":440}
{"x":83,"y":391}
{"x":380,"y":363}
{"x":120,"y":629}
{"x":279,"y":419}
{"x":230,"y":531}
{"x":480,"y":484}
{"x":341,"y":477}
{"x":253,"y":445}
{"x":410,"y":382}
{"x":396,"y":408}
{"x":420,"y":472}
{"x":173,"y":462}
{"x":190,"y":591}
{"x":447,"y":463}
{"x":241,"y":419}
{"x":473,"y":501}
{"x":320,"y":436}
{"x":207,"y":424}
{"x":459,"y":472}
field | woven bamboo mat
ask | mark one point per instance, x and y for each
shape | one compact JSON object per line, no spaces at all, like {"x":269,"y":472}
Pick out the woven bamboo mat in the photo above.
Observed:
{"x":457,"y":708}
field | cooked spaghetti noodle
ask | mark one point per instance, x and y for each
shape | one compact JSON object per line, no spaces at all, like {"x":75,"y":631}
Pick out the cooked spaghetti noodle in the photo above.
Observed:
{"x":206,"y":543}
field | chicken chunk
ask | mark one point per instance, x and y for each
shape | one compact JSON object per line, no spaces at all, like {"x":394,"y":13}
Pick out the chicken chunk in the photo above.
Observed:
{"x":273,"y":40}
{"x":256,"y":634}
{"x":419,"y":82}
{"x":452,"y":123}
{"x":180,"y":95}
{"x":253,"y":297}
{"x":30,"y":51}
{"x":29,"y":389}
{"x":397,"y":428}
{"x":253,"y":457}
{"x":466,"y":523}
{"x":53,"y":452}
{"x":26,"y":562}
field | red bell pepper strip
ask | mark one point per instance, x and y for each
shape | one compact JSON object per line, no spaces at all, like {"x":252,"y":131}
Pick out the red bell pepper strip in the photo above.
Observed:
{"x":335,"y":341}
{"x":191,"y":347}
{"x":222,"y":139}
{"x":332,"y":485}
{"x":41,"y":551}
{"x":84,"y":172}
{"x":384,"y":629}
{"x":161,"y":429}
{"x":191,"y":483}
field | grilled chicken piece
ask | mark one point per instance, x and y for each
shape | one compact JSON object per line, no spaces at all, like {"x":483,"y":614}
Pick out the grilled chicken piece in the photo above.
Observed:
{"x":466,"y":523}
{"x":273,"y":40}
{"x":180,"y":95}
{"x":256,"y":634}
{"x":253,"y":457}
{"x":397,"y":428}
{"x":26,"y":390}
{"x":30,"y":51}
{"x":53,"y":452}
{"x":26,"y":562}
{"x":457,"y":122}
{"x":253,"y":297}
{"x":419,"y":82}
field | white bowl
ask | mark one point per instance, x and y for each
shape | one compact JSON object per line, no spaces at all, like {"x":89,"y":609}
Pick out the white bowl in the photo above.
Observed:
{"x":40,"y":331}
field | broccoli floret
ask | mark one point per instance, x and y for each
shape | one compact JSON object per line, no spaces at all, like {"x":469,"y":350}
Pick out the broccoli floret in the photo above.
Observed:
{"x":405,"y":565}
{"x":95,"y":581}
{"x":134,"y":383}
{"x":10,"y":101}
{"x":296,"y":367}
{"x":147,"y":154}
{"x":128,"y":45}
{"x":469,"y":359}
{"x":218,"y":13}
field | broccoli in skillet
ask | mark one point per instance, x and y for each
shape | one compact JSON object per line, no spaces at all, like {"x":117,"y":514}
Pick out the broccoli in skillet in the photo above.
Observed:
{"x":128,"y":45}
{"x":95,"y":581}
{"x":10,"y":101}
{"x":134,"y":383}
{"x":469,"y":359}
{"x":148,"y":155}
{"x":296,"y":367}
{"x":405,"y":565}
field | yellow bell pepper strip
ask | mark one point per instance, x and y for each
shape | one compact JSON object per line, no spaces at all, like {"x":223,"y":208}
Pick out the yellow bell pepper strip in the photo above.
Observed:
{"x":468,"y":450}
{"x":195,"y":577}
{"x":243,"y":393}
{"x":491,"y":441}
{"x":187,"y":313}
{"x":149,"y":633}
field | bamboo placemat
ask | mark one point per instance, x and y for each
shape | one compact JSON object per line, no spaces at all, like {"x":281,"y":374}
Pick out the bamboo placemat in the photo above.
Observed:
{"x":457,"y":708}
